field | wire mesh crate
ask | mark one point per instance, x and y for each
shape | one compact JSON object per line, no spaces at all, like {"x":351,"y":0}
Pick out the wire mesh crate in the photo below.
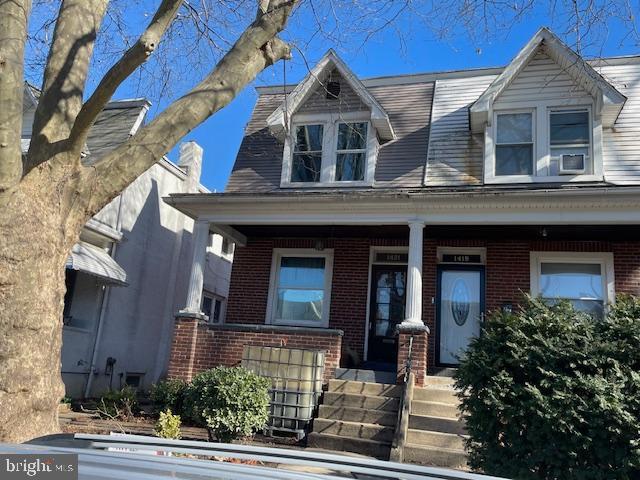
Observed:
{"x":296,"y":384}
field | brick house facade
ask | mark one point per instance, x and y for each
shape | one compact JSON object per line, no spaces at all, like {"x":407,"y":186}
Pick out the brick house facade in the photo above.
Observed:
{"x":395,"y":215}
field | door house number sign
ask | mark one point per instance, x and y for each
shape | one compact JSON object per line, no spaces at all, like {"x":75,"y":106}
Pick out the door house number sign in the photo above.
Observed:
{"x":460,"y":258}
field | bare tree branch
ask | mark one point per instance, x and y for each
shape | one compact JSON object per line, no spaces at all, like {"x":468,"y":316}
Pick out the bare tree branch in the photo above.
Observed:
{"x":65,"y":77}
{"x":13,"y":35}
{"x":132,"y":59}
{"x":256,"y":49}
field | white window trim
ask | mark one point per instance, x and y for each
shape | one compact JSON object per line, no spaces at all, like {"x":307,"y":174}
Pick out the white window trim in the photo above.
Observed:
{"x":278,"y":253}
{"x":541,"y":144}
{"x":604,"y":259}
{"x":330,"y":123}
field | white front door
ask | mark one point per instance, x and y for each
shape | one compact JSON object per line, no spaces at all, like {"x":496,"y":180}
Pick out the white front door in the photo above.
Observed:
{"x":460,"y":310}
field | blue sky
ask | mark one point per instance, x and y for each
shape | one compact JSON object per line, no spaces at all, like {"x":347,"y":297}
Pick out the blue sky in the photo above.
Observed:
{"x":419,"y":51}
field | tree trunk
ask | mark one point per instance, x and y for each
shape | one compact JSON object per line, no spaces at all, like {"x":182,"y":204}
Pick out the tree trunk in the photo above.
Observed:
{"x":35,"y":244}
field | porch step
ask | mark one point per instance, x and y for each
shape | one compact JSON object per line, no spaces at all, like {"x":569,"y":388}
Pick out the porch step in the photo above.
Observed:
{"x":439,"y":380}
{"x":343,"y":428}
{"x":340,"y":443}
{"x":373,"y":376}
{"x":436,"y":424}
{"x":436,"y":393}
{"x":357,"y":417}
{"x":365,"y":388}
{"x":436,"y":439}
{"x":435,"y":456}
{"x":360,"y":415}
{"x":437,"y":409}
{"x":361,"y":401}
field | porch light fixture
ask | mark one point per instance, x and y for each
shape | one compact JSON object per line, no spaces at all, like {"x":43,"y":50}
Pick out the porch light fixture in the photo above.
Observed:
{"x":319,"y":245}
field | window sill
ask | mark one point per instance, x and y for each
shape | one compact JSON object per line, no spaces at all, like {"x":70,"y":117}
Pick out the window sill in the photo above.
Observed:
{"x":326,"y":184}
{"x":543,"y":179}
{"x":242,"y":327}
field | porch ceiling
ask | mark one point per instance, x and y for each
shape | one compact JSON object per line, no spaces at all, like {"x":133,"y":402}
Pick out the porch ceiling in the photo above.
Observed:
{"x":452,"y":232}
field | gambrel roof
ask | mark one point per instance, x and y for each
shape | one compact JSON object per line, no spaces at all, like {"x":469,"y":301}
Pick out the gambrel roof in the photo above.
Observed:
{"x":329,"y":62}
{"x":608,"y":100}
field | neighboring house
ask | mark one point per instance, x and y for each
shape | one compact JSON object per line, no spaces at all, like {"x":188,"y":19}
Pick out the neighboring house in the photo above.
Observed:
{"x":128,"y":275}
{"x":422,"y":202}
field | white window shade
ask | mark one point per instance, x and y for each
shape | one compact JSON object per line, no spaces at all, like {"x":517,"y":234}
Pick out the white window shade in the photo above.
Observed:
{"x":584,"y":279}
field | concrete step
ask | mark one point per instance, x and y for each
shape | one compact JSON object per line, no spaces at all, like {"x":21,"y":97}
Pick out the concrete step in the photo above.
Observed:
{"x":435,"y":439}
{"x":338,"y":443}
{"x":375,"y":376}
{"x":361,"y":401}
{"x":353,"y":430}
{"x":361,"y":415}
{"x":435,"y":456}
{"x":436,"y":424}
{"x":365,"y":388}
{"x":439,"y":380}
{"x":433,"y":394}
{"x":437,"y":409}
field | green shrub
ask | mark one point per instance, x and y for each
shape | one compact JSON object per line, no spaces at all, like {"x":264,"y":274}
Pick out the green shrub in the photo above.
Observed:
{"x":169,"y":394}
{"x":122,"y":404}
{"x":230,"y":401}
{"x":550,"y":392}
{"x":168,"y":425}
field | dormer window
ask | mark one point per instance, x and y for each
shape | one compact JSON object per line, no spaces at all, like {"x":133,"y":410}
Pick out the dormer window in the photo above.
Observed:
{"x":330,"y":150}
{"x":545,"y":143}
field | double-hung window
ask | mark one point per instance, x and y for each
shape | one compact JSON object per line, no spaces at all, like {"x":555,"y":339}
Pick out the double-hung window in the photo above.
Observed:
{"x":300,"y":287}
{"x":545,"y":143}
{"x":514,"y":144}
{"x":586,"y":280}
{"x":334,"y":152}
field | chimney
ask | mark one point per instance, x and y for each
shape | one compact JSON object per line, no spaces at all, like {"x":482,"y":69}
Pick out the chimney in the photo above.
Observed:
{"x":191,"y":160}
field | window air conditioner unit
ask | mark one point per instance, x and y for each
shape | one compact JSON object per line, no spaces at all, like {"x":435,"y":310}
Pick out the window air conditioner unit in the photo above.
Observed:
{"x":571,"y":164}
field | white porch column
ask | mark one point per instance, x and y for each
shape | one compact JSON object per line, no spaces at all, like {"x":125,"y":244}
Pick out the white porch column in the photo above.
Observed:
{"x":413,"y":308}
{"x":196,"y":277}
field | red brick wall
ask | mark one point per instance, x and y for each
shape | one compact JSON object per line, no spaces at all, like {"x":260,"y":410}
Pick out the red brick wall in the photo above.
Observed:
{"x":197,"y":347}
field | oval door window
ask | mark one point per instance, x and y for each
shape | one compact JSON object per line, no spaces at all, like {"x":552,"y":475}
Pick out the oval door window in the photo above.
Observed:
{"x":460,"y":302}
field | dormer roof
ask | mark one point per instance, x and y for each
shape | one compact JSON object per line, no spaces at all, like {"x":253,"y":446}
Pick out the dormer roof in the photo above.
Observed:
{"x":330,"y":61}
{"x":608,"y":100}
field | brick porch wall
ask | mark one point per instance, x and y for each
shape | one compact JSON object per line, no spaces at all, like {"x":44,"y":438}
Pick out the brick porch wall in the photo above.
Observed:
{"x":507,"y":276}
{"x":197,"y":346}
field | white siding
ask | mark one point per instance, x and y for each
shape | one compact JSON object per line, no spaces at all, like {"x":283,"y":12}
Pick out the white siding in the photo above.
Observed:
{"x":621,"y":145}
{"x":455,"y":155}
{"x":541,"y":79}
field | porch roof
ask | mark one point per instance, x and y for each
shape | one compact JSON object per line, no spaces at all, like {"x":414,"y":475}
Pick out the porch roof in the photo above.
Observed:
{"x":544,"y":205}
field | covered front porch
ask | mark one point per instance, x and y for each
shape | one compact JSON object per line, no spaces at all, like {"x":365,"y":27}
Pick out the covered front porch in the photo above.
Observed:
{"x":368,"y":285}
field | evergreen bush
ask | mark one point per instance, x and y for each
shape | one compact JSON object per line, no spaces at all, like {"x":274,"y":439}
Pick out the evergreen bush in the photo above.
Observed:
{"x":549,"y":392}
{"x":231,"y":402}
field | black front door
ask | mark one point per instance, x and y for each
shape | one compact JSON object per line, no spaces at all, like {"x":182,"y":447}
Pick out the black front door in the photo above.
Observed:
{"x":388,"y":292}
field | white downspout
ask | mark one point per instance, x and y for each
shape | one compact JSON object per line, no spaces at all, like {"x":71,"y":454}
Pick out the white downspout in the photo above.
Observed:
{"x":103,"y":309}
